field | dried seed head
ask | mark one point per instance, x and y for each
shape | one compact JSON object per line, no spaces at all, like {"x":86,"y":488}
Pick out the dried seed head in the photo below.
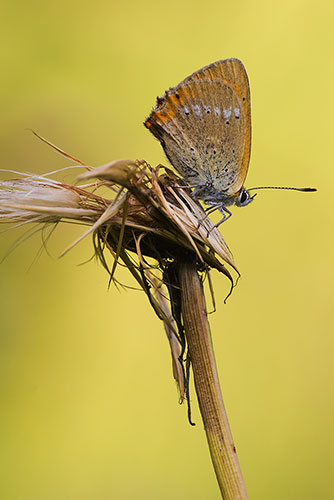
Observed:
{"x":143,"y":213}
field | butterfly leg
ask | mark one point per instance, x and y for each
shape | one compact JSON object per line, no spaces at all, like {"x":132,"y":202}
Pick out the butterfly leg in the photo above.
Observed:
{"x":208,"y":211}
{"x":211,"y":209}
{"x":185,"y":186}
{"x":225,"y":211}
{"x":226,"y":215}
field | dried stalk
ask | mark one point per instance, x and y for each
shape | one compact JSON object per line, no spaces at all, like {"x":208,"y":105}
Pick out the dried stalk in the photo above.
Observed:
{"x":197,"y":332}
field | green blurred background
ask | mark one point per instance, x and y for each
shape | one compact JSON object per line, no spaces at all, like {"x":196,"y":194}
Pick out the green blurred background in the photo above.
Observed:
{"x":88,"y":405}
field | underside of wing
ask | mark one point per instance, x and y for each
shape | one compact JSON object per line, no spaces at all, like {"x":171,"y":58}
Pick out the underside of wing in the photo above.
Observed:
{"x":203,"y":125}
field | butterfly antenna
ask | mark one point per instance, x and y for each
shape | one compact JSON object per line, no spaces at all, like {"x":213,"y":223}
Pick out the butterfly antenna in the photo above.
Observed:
{"x":281,"y":187}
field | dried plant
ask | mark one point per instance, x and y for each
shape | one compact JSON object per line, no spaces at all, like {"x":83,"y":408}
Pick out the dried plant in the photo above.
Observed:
{"x":150,"y":224}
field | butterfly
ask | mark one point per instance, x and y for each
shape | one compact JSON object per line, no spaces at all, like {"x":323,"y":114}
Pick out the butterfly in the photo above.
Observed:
{"x":204,"y":127}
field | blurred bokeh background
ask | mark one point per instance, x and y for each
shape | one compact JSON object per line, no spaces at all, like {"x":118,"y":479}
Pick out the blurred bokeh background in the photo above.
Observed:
{"x":88,"y":405}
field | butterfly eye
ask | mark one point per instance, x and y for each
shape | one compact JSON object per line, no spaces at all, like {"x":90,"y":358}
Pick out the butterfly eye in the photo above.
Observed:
{"x":243,"y":199}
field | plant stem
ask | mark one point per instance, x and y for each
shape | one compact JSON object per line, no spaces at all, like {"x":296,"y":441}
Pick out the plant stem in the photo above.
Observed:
{"x":197,"y":331}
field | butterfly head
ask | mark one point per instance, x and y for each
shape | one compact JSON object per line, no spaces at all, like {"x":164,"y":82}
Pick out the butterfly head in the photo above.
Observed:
{"x":244,"y":198}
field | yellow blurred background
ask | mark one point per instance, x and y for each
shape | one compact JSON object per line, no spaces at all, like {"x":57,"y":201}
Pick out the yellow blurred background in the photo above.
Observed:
{"x":88,"y":404}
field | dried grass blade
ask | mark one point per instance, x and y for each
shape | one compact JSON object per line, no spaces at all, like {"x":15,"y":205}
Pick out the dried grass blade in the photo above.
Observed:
{"x":121,"y":235}
{"x":112,"y":210}
{"x":173,"y":216}
{"x":174,"y":343}
{"x":59,"y":150}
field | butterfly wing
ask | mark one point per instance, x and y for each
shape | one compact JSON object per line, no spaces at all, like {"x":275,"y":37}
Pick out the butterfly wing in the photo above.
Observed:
{"x":203,"y":125}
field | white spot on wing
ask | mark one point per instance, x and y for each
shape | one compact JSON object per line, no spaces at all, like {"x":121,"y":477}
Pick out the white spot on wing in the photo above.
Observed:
{"x":197,"y":109}
{"x":207,"y":109}
{"x":217,"y":111}
{"x":186,"y":110}
{"x":227,"y":112}
{"x":237,"y":112}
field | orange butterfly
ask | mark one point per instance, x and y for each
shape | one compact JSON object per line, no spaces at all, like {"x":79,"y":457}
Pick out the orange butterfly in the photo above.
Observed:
{"x":204,"y":127}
